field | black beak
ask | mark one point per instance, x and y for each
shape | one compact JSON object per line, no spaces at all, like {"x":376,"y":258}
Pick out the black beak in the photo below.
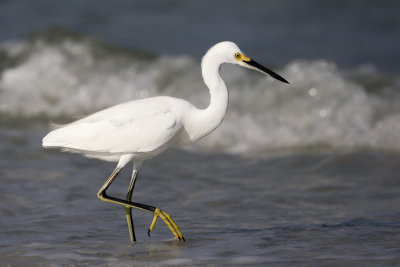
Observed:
{"x":263,"y":69}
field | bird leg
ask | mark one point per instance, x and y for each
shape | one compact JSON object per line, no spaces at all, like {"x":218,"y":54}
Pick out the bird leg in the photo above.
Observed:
{"x":128,"y":210}
{"x":102,"y":195}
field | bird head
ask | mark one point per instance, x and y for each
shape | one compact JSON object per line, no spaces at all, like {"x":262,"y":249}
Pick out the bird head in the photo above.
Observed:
{"x":231,"y":53}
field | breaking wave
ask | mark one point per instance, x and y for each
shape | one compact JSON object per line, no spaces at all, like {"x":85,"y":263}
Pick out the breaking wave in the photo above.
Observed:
{"x":60,"y":75}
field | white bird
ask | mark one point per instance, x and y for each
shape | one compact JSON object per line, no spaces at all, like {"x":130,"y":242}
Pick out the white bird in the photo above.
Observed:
{"x":141,"y":129}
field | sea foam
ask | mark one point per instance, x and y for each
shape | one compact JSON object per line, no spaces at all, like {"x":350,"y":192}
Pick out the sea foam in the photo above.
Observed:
{"x":322,"y":107}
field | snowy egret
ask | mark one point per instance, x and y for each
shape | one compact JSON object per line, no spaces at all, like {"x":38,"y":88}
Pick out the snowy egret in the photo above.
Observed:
{"x":141,"y":129}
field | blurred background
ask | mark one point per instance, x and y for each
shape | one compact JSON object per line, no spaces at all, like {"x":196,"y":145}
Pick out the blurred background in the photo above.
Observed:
{"x":315,"y":164}
{"x":349,"y":33}
{"x":64,"y":60}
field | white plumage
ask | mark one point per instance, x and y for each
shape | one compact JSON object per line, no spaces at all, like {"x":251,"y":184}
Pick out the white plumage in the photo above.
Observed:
{"x":140,"y":129}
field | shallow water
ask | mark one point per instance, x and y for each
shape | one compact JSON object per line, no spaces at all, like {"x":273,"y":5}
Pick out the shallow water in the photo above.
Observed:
{"x":300,"y":175}
{"x":304,"y":208}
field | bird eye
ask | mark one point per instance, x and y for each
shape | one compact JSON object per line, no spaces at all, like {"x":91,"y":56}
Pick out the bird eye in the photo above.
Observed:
{"x":238,"y":56}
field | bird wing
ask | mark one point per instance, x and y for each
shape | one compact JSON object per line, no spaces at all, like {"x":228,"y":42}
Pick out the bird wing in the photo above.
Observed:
{"x":137,"y":126}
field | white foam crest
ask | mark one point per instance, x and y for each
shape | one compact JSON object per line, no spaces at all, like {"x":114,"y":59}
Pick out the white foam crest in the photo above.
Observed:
{"x":68,"y":80}
{"x":320,"y":108}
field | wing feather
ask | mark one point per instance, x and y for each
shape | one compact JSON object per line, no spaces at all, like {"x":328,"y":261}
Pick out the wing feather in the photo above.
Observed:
{"x":133,"y":127}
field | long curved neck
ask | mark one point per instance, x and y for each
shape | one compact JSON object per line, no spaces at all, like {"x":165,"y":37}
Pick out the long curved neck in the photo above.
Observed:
{"x":218,"y":106}
{"x":211,"y":117}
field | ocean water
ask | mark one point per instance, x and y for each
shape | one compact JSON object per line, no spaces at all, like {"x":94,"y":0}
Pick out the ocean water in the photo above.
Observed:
{"x":301,"y":175}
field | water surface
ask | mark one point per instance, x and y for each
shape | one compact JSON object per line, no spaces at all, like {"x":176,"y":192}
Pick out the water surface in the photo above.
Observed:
{"x":299,"y":175}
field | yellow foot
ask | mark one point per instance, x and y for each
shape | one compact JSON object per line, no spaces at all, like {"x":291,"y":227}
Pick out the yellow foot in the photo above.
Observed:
{"x":168,"y":221}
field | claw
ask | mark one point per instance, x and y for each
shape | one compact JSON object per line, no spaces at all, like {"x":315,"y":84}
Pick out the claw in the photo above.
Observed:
{"x":148,"y":232}
{"x":168,"y":221}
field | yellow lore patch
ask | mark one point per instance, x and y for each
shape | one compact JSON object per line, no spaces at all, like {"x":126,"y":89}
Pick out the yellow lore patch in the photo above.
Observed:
{"x":241,"y":57}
